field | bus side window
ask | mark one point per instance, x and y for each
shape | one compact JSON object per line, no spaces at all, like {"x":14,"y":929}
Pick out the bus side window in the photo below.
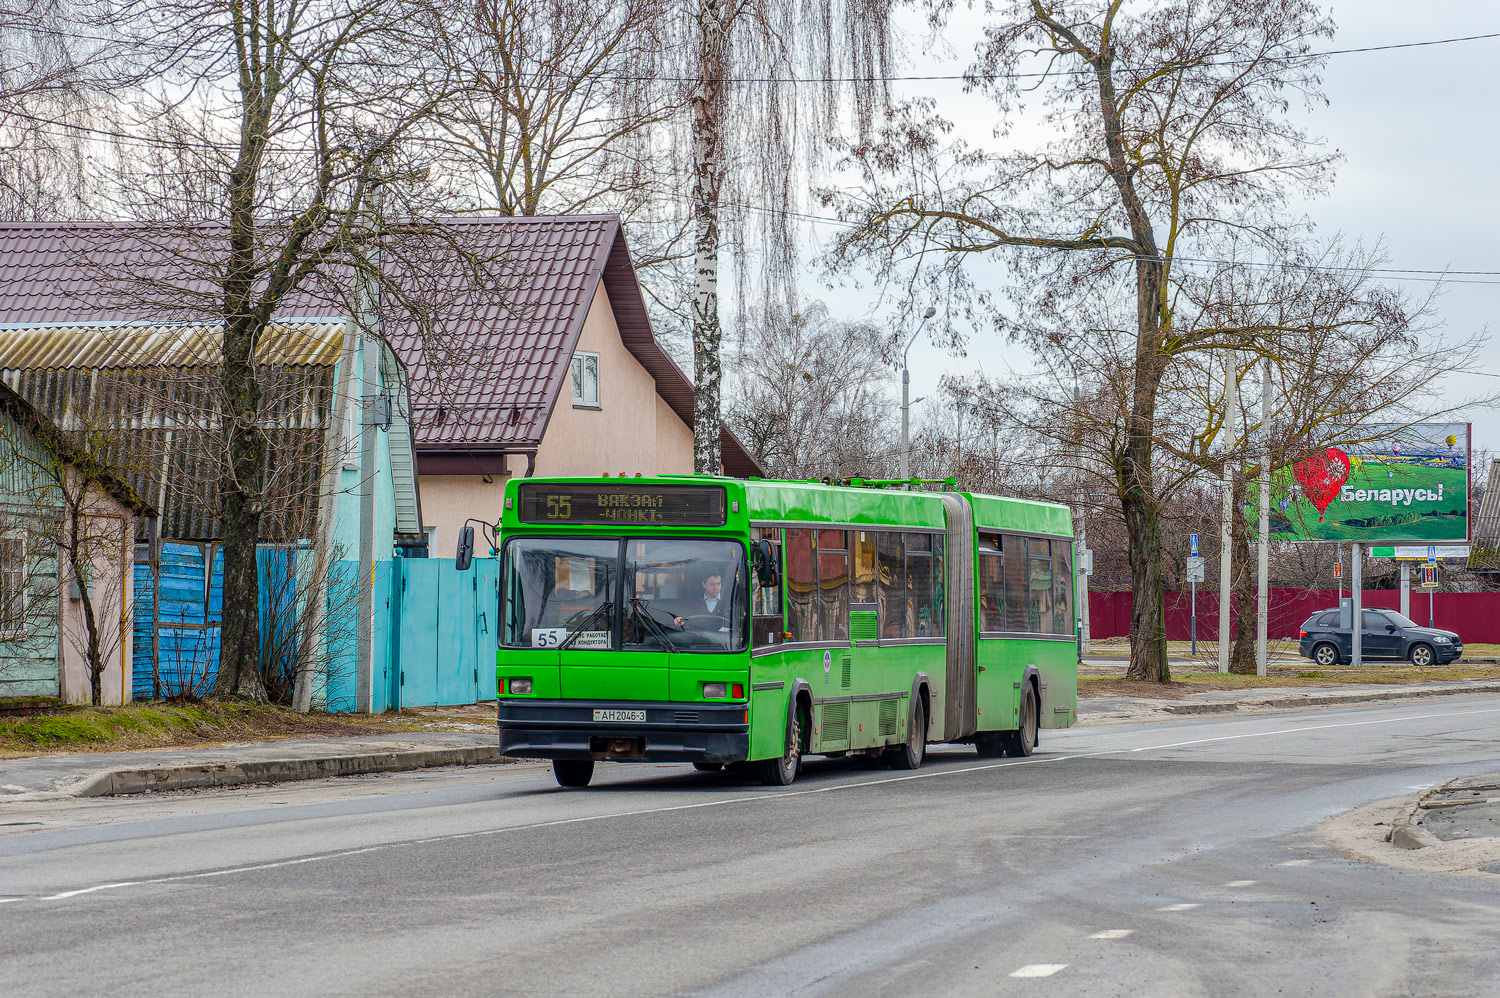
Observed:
{"x":833,"y":585}
{"x":939,"y":587}
{"x":1017,"y":594}
{"x":919,"y":585}
{"x":862,"y":566}
{"x":1066,"y":582}
{"x":892,"y":589}
{"x":991,"y":584}
{"x":766,"y":624}
{"x":801,"y":586}
{"x":1039,"y":578}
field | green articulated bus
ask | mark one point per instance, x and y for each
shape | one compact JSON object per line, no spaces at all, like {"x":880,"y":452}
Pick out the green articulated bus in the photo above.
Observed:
{"x":751,"y":623}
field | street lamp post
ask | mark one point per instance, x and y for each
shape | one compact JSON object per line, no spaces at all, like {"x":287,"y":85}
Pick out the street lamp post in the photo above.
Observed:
{"x":906,"y":396}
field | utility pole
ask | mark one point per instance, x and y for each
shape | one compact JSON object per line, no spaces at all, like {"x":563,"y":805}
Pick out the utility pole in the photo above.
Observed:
{"x":1226,"y":515}
{"x":906,"y":397}
{"x":1263,"y":556}
{"x":1357,"y":592}
{"x":368,"y":318}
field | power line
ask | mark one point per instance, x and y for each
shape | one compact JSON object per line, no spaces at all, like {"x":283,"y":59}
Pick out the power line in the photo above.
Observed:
{"x":873,"y":78}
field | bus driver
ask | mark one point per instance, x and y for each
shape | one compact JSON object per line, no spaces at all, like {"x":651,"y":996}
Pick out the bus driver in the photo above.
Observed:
{"x":712,"y":602}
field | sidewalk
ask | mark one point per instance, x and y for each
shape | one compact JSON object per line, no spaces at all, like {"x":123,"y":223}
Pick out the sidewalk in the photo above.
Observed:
{"x":92,"y":774}
{"x":1126,"y":709}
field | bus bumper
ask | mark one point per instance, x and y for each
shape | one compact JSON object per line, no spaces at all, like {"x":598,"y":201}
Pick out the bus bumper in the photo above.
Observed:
{"x":670,"y":732}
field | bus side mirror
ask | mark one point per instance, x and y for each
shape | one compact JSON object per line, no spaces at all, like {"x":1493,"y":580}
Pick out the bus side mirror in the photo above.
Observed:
{"x":765,"y":565}
{"x":465,"y":548}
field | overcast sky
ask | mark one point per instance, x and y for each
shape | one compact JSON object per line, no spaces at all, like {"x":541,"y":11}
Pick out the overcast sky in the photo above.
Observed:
{"x":1420,"y":133}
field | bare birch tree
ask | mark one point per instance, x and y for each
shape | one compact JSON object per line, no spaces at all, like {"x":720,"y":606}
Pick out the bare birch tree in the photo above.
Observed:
{"x":764,"y":72}
{"x":49,"y":80}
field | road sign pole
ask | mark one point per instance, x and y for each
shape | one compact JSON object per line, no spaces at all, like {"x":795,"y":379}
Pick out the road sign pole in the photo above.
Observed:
{"x":1431,"y":617}
{"x":1406,"y":589}
{"x":1356,"y":592}
{"x":1193,"y":626}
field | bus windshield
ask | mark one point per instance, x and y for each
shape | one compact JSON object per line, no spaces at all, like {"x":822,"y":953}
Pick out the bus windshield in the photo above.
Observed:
{"x":679,"y":594}
{"x":560,"y":590}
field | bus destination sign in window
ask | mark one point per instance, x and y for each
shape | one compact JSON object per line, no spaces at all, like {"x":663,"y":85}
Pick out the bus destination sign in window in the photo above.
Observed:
{"x":671,"y":505}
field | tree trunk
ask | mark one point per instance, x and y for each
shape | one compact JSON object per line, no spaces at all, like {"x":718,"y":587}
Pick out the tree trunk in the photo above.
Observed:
{"x":707,"y":104}
{"x":242,"y":479}
{"x":1242,"y":596}
{"x":1148,"y":633}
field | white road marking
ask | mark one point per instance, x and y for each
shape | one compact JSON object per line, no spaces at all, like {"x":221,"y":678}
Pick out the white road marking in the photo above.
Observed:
{"x":1038,"y":970}
{"x":1239,"y":883}
{"x":724,"y":801}
{"x":1178,"y":907}
{"x":1297,"y":862}
{"x":1112,"y":934}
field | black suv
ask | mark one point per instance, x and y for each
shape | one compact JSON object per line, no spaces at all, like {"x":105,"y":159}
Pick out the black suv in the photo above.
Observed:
{"x":1387,"y":634}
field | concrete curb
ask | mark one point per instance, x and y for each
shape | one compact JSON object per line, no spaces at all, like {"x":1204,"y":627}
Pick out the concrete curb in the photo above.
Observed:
{"x":1313,"y":700}
{"x":232,"y":774}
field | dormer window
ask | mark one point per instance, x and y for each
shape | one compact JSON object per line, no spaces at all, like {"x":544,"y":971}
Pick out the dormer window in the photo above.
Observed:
{"x":585,"y":377}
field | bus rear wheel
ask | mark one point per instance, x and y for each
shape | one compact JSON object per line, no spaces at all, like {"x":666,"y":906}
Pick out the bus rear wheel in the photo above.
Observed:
{"x":573,"y":772}
{"x":910,"y":755}
{"x":1022,"y":742}
{"x":781,"y":772}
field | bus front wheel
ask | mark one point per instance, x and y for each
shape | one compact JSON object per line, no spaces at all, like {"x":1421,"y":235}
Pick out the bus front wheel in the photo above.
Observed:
{"x":573,"y":772}
{"x":781,"y":772}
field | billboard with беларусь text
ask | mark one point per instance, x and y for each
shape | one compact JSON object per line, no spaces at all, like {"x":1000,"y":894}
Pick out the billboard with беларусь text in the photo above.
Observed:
{"x":1399,"y":484}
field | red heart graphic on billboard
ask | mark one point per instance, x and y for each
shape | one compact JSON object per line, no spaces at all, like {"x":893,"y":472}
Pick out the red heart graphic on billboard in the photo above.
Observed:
{"x":1321,"y":476}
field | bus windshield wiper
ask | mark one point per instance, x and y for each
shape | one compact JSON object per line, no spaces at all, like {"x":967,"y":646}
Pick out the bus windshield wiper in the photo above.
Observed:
{"x":642,"y":613}
{"x":587,"y":622}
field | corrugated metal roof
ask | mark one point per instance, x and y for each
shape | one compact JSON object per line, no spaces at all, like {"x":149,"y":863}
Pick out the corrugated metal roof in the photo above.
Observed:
{"x":297,"y":342}
{"x":1484,"y":547}
{"x":167,"y":456}
{"x":486,"y":367}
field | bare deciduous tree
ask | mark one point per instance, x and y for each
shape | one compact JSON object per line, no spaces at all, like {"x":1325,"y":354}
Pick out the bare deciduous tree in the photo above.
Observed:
{"x":808,"y":395}
{"x":1168,"y":136}
{"x":289,"y":127}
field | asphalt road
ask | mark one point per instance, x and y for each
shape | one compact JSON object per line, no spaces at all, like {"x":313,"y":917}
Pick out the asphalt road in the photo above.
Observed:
{"x":1173,"y":858}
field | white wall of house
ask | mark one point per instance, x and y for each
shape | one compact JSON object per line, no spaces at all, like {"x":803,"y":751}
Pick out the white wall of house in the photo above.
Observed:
{"x":626,"y":431}
{"x":448,"y":500}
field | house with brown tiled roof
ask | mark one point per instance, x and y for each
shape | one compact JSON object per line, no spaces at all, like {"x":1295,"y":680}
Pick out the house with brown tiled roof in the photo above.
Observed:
{"x":554,"y":370}
{"x":563,"y":376}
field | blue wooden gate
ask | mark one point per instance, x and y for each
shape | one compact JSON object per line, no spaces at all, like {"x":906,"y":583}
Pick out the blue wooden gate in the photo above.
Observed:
{"x":187,"y":619}
{"x":447,"y":632}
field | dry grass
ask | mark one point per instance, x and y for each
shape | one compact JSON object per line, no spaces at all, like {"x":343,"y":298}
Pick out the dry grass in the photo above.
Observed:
{"x":1111,"y":681}
{"x":167,"y":725}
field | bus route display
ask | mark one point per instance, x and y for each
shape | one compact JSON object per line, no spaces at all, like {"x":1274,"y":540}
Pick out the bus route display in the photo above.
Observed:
{"x":671,"y":505}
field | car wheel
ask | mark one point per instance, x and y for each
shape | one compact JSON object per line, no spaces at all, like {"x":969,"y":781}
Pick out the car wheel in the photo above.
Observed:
{"x":1326,"y":654}
{"x":1420,"y":655}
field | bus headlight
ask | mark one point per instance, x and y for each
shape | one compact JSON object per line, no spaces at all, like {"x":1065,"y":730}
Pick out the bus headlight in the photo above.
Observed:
{"x":714,"y":691}
{"x":518,"y":686}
